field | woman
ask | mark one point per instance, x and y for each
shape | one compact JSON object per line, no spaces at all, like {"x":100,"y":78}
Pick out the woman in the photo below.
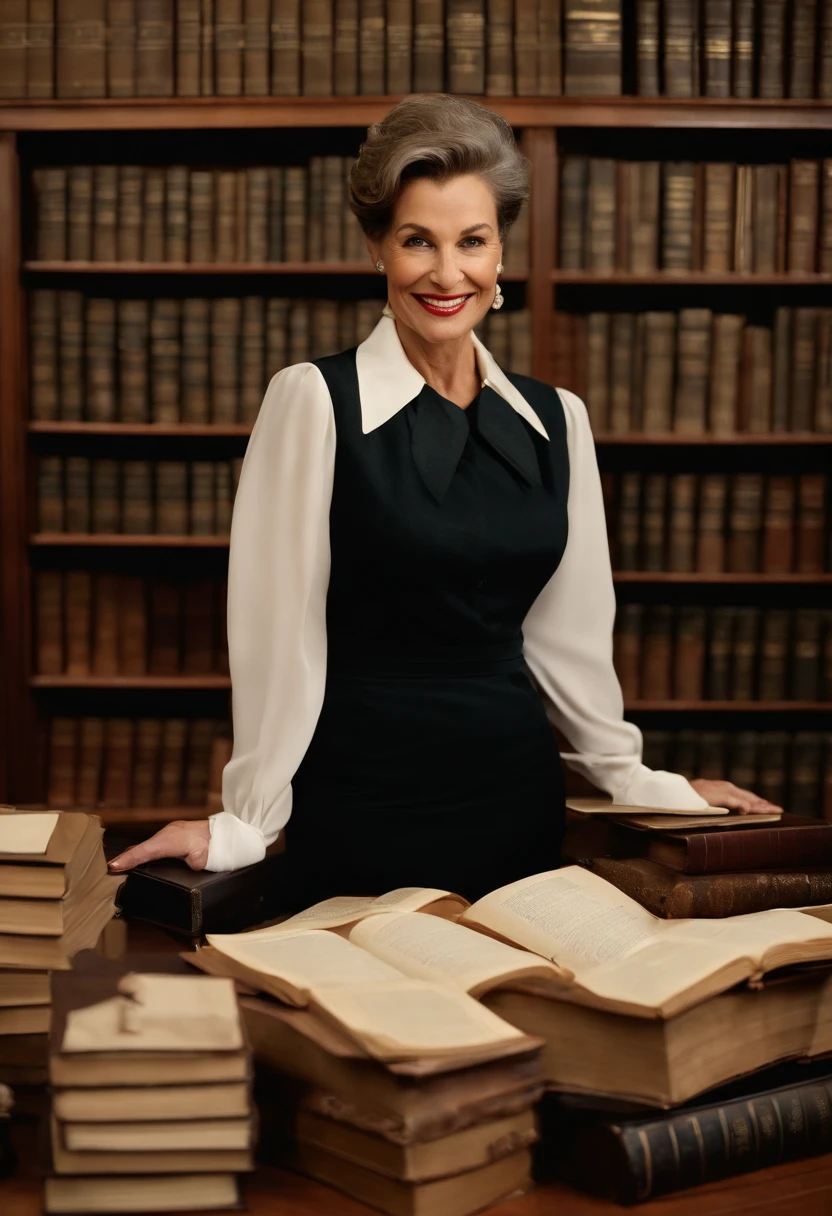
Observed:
{"x":419,"y":579}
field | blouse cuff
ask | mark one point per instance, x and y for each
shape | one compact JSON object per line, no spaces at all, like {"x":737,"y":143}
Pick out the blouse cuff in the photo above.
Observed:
{"x":655,"y":787}
{"x":234,"y":844}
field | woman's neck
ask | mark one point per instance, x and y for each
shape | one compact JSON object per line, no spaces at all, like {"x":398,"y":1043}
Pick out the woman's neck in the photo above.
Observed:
{"x":448,"y":367}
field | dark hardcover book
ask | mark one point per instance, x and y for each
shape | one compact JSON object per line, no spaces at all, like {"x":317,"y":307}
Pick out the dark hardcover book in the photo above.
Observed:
{"x":154,"y":48}
{"x":742,"y":49}
{"x":121,"y":48}
{"x":465,"y":45}
{"x":647,"y":48}
{"x":188,"y":36}
{"x":164,"y":361}
{"x":71,"y":354}
{"x":526,"y":47}
{"x":43,"y":355}
{"x":49,"y":190}
{"x":345,"y":47}
{"x":399,"y":46}
{"x":804,"y":197}
{"x":499,"y":48}
{"x":129,"y":213}
{"x":256,"y":44}
{"x":195,"y":365}
{"x":680,"y":48}
{"x":803,"y":49}
{"x":48,"y":587}
{"x":316,"y":47}
{"x":170,"y":895}
{"x":693,"y":361}
{"x":717,"y":47}
{"x":550,"y":48}
{"x":137,"y":497}
{"x":176,"y":213}
{"x":285,"y":48}
{"x":429,"y":46}
{"x":592,"y":48}
{"x":79,"y":213}
{"x":772,"y":48}
{"x":228,"y":47}
{"x":40,"y":49}
{"x":80,"y":61}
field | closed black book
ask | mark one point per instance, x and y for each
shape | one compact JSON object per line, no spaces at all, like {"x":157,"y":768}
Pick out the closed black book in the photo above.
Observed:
{"x":195,"y":902}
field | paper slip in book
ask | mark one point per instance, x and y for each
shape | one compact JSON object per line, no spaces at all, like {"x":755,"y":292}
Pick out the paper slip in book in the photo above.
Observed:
{"x":602,"y":806}
{"x":22,"y":833}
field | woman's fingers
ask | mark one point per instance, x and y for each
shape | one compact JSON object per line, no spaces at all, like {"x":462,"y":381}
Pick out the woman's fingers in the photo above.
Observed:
{"x":181,"y":839}
{"x":725,"y":793}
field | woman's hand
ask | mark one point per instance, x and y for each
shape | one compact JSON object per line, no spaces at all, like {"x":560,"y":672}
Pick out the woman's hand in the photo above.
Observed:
{"x":725,"y":793}
{"x":185,"y":838}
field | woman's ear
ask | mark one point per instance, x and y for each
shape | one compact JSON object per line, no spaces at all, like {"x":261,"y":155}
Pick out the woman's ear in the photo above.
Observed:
{"x":373,"y":250}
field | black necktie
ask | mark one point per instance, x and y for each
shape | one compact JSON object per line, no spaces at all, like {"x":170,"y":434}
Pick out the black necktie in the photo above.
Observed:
{"x":440,"y":430}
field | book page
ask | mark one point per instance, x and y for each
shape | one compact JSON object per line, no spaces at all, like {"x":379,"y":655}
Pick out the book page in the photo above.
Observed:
{"x":411,"y":1019}
{"x":198,"y":1013}
{"x":345,"y":909}
{"x":309,"y":958}
{"x":430,"y":948}
{"x":683,"y":823}
{"x":20,"y":833}
{"x":755,"y":933}
{"x":602,"y":806}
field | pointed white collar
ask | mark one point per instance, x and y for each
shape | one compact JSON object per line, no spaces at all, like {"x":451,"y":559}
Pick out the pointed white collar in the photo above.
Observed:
{"x":387,"y":380}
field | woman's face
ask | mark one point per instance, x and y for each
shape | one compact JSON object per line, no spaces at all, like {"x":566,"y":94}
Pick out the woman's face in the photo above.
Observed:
{"x":440,"y":256}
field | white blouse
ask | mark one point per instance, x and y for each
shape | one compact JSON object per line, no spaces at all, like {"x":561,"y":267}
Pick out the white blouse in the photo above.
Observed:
{"x":278,"y":576}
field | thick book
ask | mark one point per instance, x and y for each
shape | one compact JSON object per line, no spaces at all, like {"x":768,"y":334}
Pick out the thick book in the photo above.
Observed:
{"x":179,"y":1192}
{"x":174,"y":897}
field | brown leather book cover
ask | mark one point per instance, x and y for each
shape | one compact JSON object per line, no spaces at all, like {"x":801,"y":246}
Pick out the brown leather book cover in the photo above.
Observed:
{"x":574,"y":184}
{"x":132,"y":635}
{"x":745,"y":522}
{"x":772,"y":48}
{"x":223,"y":498}
{"x":198,"y":627}
{"x":154,"y":48}
{"x":105,"y":636}
{"x":334,"y":204}
{"x":781,"y":369}
{"x":49,"y":195}
{"x":680,"y":48}
{"x":137,"y":498}
{"x":500,"y":48}
{"x":398,"y":29}
{"x":627,"y":649}
{"x":726,"y":360}
{"x":682,"y":521}
{"x":550,"y":49}
{"x":642,"y":182}
{"x":428,"y":46}
{"x":825,"y":251}
{"x":315,"y":210}
{"x":465,"y":46}
{"x":598,"y":360}
{"x":810,"y":523}
{"x":648,"y":44}
{"x":39,"y":52}
{"x":43,"y":355}
{"x":654,"y":522}
{"x":622,"y":356}
{"x":118,"y":763}
{"x":165,"y":628}
{"x":804,"y":190}
{"x":345,"y":47}
{"x":690,"y":407}
{"x":78,"y":610}
{"x":592,"y":48}
{"x":201,"y":217}
{"x":285,"y":48}
{"x":803,"y":365}
{"x":371,"y":47}
{"x":90,"y":761}
{"x":601,"y":215}
{"x":195,"y":362}
{"x":129,"y":217}
{"x":80,"y":61}
{"x":188,"y":39}
{"x":823,"y":369}
{"x":720,"y":644}
{"x":678,"y":209}
{"x":176,"y":213}
{"x":756,"y":380}
{"x":764,"y":200}
{"x":229,"y":36}
{"x":689,"y":654}
{"x":526,"y":73}
{"x":743,"y":259}
{"x":153,"y":235}
{"x":659,"y":360}
{"x":226,"y":218}
{"x":254,"y":375}
{"x":202,"y":512}
{"x":628,"y":514}
{"x":164,"y":361}
{"x":225,"y":347}
{"x":172,"y":762}
{"x":51,"y":514}
{"x":48,"y":586}
{"x":146,"y":758}
{"x":71,"y":355}
{"x":121,"y":48}
{"x":133,"y":332}
{"x":207,"y":74}
{"x":774,"y":655}
{"x":803,"y":49}
{"x":717,"y":45}
{"x":79,"y":213}
{"x":316,"y":47}
{"x":101,"y":363}
{"x":61,"y":773}
{"x":657,"y":653}
{"x":198,"y":761}
{"x":742,"y":51}
{"x":675,"y":896}
{"x":745,"y":656}
{"x":779,"y":525}
{"x":257,"y":215}
{"x":104,"y":212}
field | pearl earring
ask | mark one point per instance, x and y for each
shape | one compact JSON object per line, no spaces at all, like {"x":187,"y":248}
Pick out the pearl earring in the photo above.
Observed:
{"x":380,"y":266}
{"x":499,"y":268}
{"x":498,"y":298}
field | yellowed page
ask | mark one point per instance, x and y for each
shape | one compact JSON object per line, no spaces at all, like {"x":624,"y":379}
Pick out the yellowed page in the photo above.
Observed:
{"x":307,"y":959}
{"x":753,"y":935}
{"x":681,"y":823}
{"x":412,"y":1019}
{"x":443,"y":951}
{"x":21,"y":833}
{"x":601,"y":806}
{"x":346,"y":909}
{"x":196,"y":1013}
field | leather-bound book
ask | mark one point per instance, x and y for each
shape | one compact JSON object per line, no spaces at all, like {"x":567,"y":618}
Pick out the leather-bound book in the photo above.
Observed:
{"x":628,"y":514}
{"x":176,"y":213}
{"x":774,"y":655}
{"x":773,"y":767}
{"x":228,"y":47}
{"x":806,"y":772}
{"x":399,"y":46}
{"x":101,"y":359}
{"x":682,"y":522}
{"x":825,"y":249}
{"x":275,"y":214}
{"x":693,"y":345}
{"x":223,"y":498}
{"x":333,"y":208}
{"x":825,"y":53}
{"x":622,"y":352}
{"x":207,"y":73}
{"x":44,"y":402}
{"x":49,"y":190}
{"x":745,"y":523}
{"x":371,"y":47}
{"x":742,"y":49}
{"x":465,"y":46}
{"x":105,"y":625}
{"x":717,"y":47}
{"x":77,"y":491}
{"x":803,"y":49}
{"x":689,"y":654}
{"x":146,"y":755}
{"x":40,"y":50}
{"x":324,"y":330}
{"x":168,"y":894}
{"x":601,"y":200}
{"x":195,"y":361}
{"x":718,"y":222}
{"x":810,"y":524}
{"x":315,"y":209}
{"x":225,"y":370}
{"x":188,"y":37}
{"x":164,"y":361}
{"x":198,"y":761}
{"x":678,"y":187}
{"x":153,"y":237}
{"x":643,"y":206}
{"x":78,"y":614}
{"x":726,"y":357}
{"x":165,"y":621}
{"x":51,"y":500}
{"x":674,"y":896}
{"x":201,"y":216}
{"x":744,"y":755}
{"x":137,"y":510}
{"x":598,"y":385}
{"x":104,"y":212}
{"x":154,"y":48}
{"x":720,"y":643}
{"x":80,"y":59}
{"x":121,"y":48}
{"x":781,"y":369}
{"x":592,"y":48}
{"x":745,"y":657}
{"x":133,"y":338}
{"x":253,"y":377}
{"x":345,"y":48}
{"x":198,"y":627}
{"x":61,"y":774}
{"x":772,"y":48}
{"x":277,"y":315}
{"x":79,"y":213}
{"x":256,"y":41}
{"x":221,"y":633}
{"x":680,"y":48}
{"x":129,"y":213}
{"x":823,"y":373}
{"x":804,"y":192}
{"x":428,"y":46}
{"x":294,"y":213}
{"x":755,"y":380}
{"x":285,"y":48}
{"x":526,"y":47}
{"x":803,"y":364}
{"x":132,"y":637}
{"x":648,"y":46}
{"x":654,"y":522}
{"x":550,"y":49}
{"x":316,"y":39}
{"x":627,"y":649}
{"x":90,"y":761}
{"x":172,"y":497}
{"x":71,"y":354}
{"x":657,"y":653}
{"x":499,"y":49}
{"x":574,"y":181}
{"x":49,"y":618}
{"x":172,"y":762}
{"x":225,"y":215}
{"x":257,"y":215}
{"x":118,"y":763}
{"x":764,"y":205}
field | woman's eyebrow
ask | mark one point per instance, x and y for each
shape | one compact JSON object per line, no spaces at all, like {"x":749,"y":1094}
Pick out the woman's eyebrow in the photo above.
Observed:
{"x":427,"y":231}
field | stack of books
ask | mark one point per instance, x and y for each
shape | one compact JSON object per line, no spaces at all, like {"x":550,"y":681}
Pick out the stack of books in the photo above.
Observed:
{"x":151,"y":1105}
{"x":703,"y":865}
{"x":383,"y":1079}
{"x":56,"y":898}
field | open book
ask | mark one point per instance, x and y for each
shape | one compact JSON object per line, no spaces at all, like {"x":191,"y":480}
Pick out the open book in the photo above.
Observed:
{"x":612,"y":954}
{"x":345,"y":910}
{"x":603,"y":806}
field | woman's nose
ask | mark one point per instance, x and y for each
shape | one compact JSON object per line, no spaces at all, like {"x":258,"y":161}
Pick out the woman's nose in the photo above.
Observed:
{"x":446,"y":271}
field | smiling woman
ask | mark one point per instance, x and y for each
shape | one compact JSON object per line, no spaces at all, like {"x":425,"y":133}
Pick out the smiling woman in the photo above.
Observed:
{"x":419,"y":580}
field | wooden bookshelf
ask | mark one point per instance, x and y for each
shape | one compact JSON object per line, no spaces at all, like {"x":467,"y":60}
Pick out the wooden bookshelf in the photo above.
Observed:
{"x":689,"y":278}
{"x":222,"y":268}
{"x":109,"y":540}
{"x":158,"y":430}
{"x":676,"y":578}
{"x":734,"y":439}
{"x":184,"y":683}
{"x":728,"y":707}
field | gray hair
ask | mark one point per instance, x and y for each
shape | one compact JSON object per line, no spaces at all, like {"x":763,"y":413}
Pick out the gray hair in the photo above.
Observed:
{"x":438,"y":136}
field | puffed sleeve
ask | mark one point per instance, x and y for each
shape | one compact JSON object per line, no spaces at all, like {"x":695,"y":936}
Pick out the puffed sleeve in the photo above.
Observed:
{"x":278,"y":576}
{"x":568,"y":646}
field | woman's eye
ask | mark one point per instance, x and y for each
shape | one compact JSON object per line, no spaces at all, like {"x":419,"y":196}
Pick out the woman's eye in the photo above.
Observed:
{"x":410,"y":239}
{"x":478,"y":240}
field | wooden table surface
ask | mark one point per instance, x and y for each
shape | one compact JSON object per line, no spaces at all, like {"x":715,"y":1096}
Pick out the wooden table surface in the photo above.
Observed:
{"x":802,"y":1187}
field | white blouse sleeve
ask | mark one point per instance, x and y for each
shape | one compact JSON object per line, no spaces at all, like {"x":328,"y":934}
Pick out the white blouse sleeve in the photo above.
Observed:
{"x":278,"y":576}
{"x":568,"y":646}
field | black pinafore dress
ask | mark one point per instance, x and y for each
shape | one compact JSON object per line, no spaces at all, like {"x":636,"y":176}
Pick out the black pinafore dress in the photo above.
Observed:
{"x":433,"y":763}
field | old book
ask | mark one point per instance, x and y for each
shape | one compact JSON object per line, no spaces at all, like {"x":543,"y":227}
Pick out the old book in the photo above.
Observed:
{"x":176,"y":213}
{"x":256,"y":45}
{"x":198,"y":631}
{"x":172,"y":762}
{"x":132,"y":347}
{"x":49,"y":189}
{"x":627,"y":649}
{"x":774,"y":649}
{"x":756,"y":380}
{"x":825,"y":249}
{"x":717,"y":48}
{"x":804,"y":187}
{"x":225,"y":353}
{"x":211,"y":1192}
{"x":188,"y":38}
{"x":225,"y":218}
{"x":223,"y":499}
{"x":718,"y":217}
{"x":428,"y":46}
{"x":137,"y":498}
{"x":101,"y":357}
{"x":207,"y":66}
{"x":60,"y":792}
{"x":202,"y":521}
{"x":165,"y":628}
{"x":201,"y":216}
{"x":285,"y":48}
{"x":742,"y":49}
{"x":465,"y":46}
{"x":550,"y":49}
{"x":628,"y":535}
{"x":803,"y":49}
{"x":228,"y":47}
{"x":48,"y":587}
{"x":601,"y":208}
{"x":659,"y":358}
{"x":399,"y":46}
{"x":24,"y":988}
{"x":148,"y":745}
{"x":164,"y":361}
{"x":745,"y":657}
{"x":823,"y":371}
{"x":128,"y":244}
{"x":805,"y":793}
{"x":371,"y":46}
{"x":764,"y":221}
{"x":84,"y":924}
{"x":781,"y":369}
{"x":118,"y":763}
{"x":809,"y":550}
{"x":803,"y":365}
{"x":153,"y":234}
{"x":654,"y":522}
{"x":80,"y":40}
{"x":104,"y":212}
{"x":257,"y":215}
{"x":90,"y":762}
{"x":657,"y":653}
{"x":195,"y":361}
{"x":745,"y":522}
{"x":79,"y":213}
{"x":314,"y":209}
{"x":693,"y":360}
{"x":127,"y":1161}
{"x":154,"y":48}
{"x":574,"y":179}
{"x":598,"y":349}
{"x":772,"y":48}
{"x":316,"y":48}
{"x":78,"y":614}
{"x":689,"y":658}
{"x":48,"y":918}
{"x":592,"y":48}
{"x":680,"y":48}
{"x":726,"y":351}
{"x":647,"y":48}
{"x":151,"y":1104}
{"x":51,"y":514}
{"x":43,"y":355}
{"x":70,"y":354}
{"x":526,"y":47}
{"x":198,"y":762}
{"x":105,"y":635}
{"x":678,"y":189}
{"x":622,"y":355}
{"x":39,"y":52}
{"x":121,"y":48}
{"x":499,"y":49}
{"x":162,"y":1135}
{"x":345,"y":47}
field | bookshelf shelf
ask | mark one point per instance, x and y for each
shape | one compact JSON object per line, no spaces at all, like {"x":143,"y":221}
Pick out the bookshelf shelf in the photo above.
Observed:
{"x":690,"y":278}
{"x":220,"y":268}
{"x":737,"y":439}
{"x":117,"y":539}
{"x":721,"y":707}
{"x":182,"y":682}
{"x":722,"y":579}
{"x":231,"y":113}
{"x":193,"y":430}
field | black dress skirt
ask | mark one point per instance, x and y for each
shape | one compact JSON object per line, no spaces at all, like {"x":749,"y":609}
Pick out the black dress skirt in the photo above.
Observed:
{"x":433,"y":763}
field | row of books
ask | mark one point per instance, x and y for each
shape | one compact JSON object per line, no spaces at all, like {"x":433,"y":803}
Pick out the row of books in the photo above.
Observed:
{"x":131,"y":762}
{"x":728,"y":653}
{"x":175,"y":213}
{"x":136,"y":497}
{"x":698,"y":48}
{"x":162,"y":48}
{"x":95,"y":623}
{"x":198,"y":360}
{"x":793,"y":770}
{"x":643,"y":216}
{"x":697,"y":371}
{"x":715,"y":522}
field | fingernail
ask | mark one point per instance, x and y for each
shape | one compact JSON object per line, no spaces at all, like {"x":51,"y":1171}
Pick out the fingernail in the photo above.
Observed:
{"x":115,"y":864}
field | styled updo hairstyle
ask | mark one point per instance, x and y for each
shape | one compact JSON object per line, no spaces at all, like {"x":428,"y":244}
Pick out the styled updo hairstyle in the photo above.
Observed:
{"x":438,"y":136}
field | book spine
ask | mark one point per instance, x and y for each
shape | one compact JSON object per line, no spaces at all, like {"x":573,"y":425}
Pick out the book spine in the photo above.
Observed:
{"x":207,"y":74}
{"x":104,"y":213}
{"x":803,"y":49}
{"x":188,"y":41}
{"x":804,"y":198}
{"x":13,"y":49}
{"x":678,"y":216}
{"x":153,"y":230}
{"x":90,"y":761}
{"x":693,"y":360}
{"x":285,"y":42}
{"x":164,"y":361}
{"x":682,"y":502}
{"x":316,"y":46}
{"x":225,"y":348}
{"x":137,"y":498}
{"x":105,"y":499}
{"x":465,"y":45}
{"x":176,"y":213}
{"x":148,"y":746}
{"x":43,"y":349}
{"x":825,"y":51}
{"x":779,"y":526}
{"x":118,"y":763}
{"x":592,"y":48}
{"x":198,"y":636}
{"x":61,"y":778}
{"x":165,"y":628}
{"x":550,"y":49}
{"x":105,"y":624}
{"x":772,"y":52}
{"x":252,"y":362}
{"x":718,"y":218}
{"x":717,"y":48}
{"x":121,"y":48}
{"x":726,"y":353}
{"x":256,"y":48}
{"x":810,"y":524}
{"x":172,"y":762}
{"x":49,"y":655}
{"x":154,"y":48}
{"x":132,"y":634}
{"x":345,"y":47}
{"x":78,"y":610}
{"x":171,"y":497}
{"x":526,"y":48}
{"x":742,"y":49}
{"x":679,"y":50}
{"x":101,"y":359}
{"x":80,"y":59}
{"x":428,"y":46}
{"x":40,"y":52}
{"x":601,"y":198}
{"x":129,"y":213}
{"x":195,"y":364}
{"x":228,"y":47}
{"x":399,"y":46}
